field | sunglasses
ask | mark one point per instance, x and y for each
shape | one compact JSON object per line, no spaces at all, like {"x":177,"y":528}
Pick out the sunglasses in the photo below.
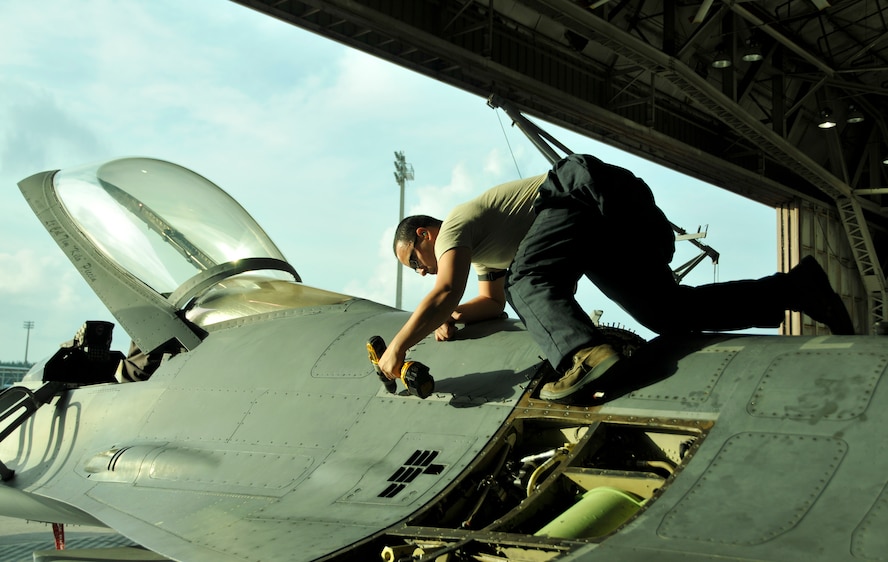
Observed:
{"x":413,"y":262}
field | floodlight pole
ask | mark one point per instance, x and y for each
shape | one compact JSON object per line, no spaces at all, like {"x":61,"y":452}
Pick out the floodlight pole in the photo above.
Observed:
{"x":403,"y":172}
{"x":28,"y":325}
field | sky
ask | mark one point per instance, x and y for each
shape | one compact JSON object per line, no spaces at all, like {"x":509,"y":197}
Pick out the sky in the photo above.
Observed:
{"x":299,"y":129}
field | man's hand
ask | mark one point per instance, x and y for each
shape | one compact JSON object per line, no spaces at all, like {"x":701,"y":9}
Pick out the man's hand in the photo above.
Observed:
{"x":446,"y":331}
{"x":489,"y":304}
{"x":391,"y":362}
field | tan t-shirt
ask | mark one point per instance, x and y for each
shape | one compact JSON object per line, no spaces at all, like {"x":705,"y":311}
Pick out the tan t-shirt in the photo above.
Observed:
{"x":491,"y":225}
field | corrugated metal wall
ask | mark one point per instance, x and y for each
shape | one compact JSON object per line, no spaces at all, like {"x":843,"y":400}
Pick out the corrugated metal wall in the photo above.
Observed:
{"x":804,"y":230}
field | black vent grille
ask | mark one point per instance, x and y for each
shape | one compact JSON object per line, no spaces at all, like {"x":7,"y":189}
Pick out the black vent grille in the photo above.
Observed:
{"x":420,"y":462}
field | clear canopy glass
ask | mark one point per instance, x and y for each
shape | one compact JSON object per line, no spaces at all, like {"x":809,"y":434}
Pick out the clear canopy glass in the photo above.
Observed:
{"x":171,"y":229}
{"x":161,"y":222}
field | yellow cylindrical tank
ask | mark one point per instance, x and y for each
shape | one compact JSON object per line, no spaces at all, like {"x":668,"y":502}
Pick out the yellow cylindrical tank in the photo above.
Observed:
{"x":597,"y":512}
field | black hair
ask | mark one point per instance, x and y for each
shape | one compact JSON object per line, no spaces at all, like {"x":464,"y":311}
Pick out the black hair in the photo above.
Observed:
{"x":406,"y":231}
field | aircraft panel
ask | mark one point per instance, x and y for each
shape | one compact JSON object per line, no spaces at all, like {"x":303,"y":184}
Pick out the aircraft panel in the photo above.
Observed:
{"x":185,"y":513}
{"x":33,"y":507}
{"x":351,"y":344}
{"x":426,"y":458}
{"x":86,"y":416}
{"x":708,"y":364}
{"x":869,"y":540}
{"x":770,"y":480}
{"x":759,"y":508}
{"x":200,"y":469}
{"x":278,"y":351}
{"x":293,"y":540}
{"x":270,"y":424}
{"x":373,"y":467}
{"x":203,"y":424}
{"x":463,"y":375}
{"x":806,"y":385}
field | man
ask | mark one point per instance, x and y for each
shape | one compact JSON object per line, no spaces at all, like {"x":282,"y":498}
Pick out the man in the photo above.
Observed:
{"x":531,"y":240}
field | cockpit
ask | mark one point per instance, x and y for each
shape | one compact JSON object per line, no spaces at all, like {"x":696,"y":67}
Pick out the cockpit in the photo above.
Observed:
{"x":183,"y":237}
{"x":171,"y":255}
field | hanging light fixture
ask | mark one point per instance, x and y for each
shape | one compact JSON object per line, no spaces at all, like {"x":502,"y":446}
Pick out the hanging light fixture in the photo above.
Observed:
{"x":827,"y":121}
{"x":854,"y":115}
{"x":753,"y":51}
{"x":721,"y":60}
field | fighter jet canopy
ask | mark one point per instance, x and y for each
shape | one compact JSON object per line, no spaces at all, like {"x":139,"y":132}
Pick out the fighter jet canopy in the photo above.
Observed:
{"x":166,"y":250}
{"x":161,"y":222}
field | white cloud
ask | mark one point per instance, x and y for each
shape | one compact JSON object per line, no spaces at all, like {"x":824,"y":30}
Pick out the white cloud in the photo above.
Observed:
{"x":379,"y":285}
{"x":23,"y":273}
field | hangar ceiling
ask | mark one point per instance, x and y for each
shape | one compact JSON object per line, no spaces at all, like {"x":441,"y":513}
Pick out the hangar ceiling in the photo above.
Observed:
{"x":643,"y":76}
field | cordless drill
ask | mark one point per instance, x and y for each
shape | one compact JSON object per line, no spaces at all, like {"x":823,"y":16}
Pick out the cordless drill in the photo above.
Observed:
{"x":414,"y":375}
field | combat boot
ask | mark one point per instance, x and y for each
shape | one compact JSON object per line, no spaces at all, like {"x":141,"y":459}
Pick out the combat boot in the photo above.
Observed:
{"x":588,"y":364}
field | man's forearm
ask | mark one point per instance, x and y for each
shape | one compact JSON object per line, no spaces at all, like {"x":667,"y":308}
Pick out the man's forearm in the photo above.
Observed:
{"x":478,"y":309}
{"x":433,"y":311}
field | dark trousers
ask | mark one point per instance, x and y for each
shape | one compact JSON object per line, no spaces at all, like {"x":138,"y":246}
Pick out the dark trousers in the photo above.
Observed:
{"x":600,"y":221}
